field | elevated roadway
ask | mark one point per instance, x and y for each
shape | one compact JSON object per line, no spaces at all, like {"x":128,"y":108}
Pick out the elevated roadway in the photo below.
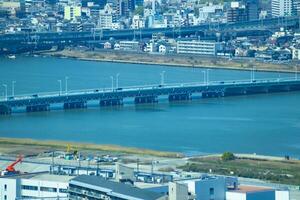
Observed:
{"x":146,"y":94}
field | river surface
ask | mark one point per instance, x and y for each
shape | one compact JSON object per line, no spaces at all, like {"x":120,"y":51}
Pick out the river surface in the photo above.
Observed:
{"x":263,"y":124}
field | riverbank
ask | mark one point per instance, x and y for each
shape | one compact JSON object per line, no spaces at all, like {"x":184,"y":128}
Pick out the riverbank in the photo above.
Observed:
{"x":29,"y":146}
{"x":176,"y":60}
{"x":276,"y":170}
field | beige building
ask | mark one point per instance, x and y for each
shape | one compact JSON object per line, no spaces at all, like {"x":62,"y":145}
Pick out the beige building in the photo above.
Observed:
{"x":71,"y":12}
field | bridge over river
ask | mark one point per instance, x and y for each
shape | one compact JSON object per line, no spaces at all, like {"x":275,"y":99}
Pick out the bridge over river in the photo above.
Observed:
{"x":145,"y":94}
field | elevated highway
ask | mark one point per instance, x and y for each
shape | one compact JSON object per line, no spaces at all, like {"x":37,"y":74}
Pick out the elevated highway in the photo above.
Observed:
{"x":34,"y":39}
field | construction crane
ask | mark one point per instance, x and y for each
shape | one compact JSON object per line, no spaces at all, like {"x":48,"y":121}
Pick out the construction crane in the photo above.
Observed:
{"x":10,"y":170}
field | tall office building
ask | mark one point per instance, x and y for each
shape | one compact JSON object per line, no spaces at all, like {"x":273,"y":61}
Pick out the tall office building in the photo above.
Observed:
{"x":281,"y":8}
{"x":252,"y":7}
{"x":296,"y":8}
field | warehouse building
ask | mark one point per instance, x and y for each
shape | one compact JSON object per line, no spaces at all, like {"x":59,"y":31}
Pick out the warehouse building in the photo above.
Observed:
{"x":93,"y":187}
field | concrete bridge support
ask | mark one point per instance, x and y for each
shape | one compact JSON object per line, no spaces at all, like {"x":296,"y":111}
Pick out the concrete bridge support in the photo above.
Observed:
{"x":212,"y":94}
{"x":279,"y":88}
{"x":295,"y":87}
{"x":5,"y":110}
{"x":111,"y":102}
{"x":75,"y":105}
{"x":38,"y":108}
{"x":180,"y":97}
{"x":234,"y":91}
{"x":145,"y":99}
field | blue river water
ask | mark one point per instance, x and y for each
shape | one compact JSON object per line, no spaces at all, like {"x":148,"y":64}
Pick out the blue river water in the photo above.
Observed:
{"x":263,"y":124}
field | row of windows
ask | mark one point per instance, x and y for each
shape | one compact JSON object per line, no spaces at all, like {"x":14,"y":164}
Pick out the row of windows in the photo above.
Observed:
{"x":43,"y":189}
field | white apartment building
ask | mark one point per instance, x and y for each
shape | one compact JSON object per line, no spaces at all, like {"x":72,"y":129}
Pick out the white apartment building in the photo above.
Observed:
{"x":137,"y":22}
{"x":106,"y":18}
{"x":282,"y":8}
{"x":38,"y":185}
{"x":199,"y":47}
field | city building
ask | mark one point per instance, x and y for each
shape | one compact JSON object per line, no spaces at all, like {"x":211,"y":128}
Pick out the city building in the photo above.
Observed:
{"x":237,"y":12}
{"x":252,"y":7}
{"x":71,"y":12}
{"x":256,"y":193}
{"x":208,"y":188}
{"x":35,"y":185}
{"x":178,"y":191}
{"x":199,"y":47}
{"x":85,"y":186}
{"x":281,"y":8}
{"x":129,"y":45}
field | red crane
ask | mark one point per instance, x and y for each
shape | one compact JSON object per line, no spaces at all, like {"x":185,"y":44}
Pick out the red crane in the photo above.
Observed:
{"x":10,"y":168}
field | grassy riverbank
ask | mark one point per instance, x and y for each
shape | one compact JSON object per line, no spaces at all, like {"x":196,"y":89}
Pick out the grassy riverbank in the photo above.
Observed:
{"x":278,"y":171}
{"x":174,"y":60}
{"x":7,"y":144}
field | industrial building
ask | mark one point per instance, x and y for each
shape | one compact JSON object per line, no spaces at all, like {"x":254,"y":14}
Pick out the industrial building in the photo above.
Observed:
{"x":209,"y":48}
{"x":95,"y":187}
{"x":257,"y":193}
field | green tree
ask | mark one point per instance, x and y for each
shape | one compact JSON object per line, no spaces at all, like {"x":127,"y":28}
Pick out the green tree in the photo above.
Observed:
{"x":139,"y":11}
{"x":226,"y":156}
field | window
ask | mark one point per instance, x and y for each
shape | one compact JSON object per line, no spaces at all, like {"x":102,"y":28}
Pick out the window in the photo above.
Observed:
{"x":5,"y":187}
{"x":29,"y":187}
{"x":48,"y":189}
{"x":62,"y":190}
{"x":5,"y":197}
{"x":211,"y":191}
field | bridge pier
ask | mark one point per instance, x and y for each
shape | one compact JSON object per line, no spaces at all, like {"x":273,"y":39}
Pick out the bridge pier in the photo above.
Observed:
{"x":145,"y":99}
{"x":38,"y":108}
{"x":180,"y":97}
{"x":212,"y":94}
{"x":279,"y":88}
{"x":75,"y":105}
{"x":5,"y":110}
{"x":295,"y":87}
{"x":234,"y":91}
{"x":111,"y":102}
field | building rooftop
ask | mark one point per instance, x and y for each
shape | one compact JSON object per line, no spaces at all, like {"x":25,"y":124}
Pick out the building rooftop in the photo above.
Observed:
{"x":250,"y":189}
{"x":115,"y":187}
{"x":43,"y":176}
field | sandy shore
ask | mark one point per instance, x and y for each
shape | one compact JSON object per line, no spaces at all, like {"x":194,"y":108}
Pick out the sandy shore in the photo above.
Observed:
{"x":11,"y":145}
{"x":175,"y":60}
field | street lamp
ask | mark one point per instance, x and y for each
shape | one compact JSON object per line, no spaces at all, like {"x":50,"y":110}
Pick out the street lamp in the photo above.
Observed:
{"x":112,"y":83}
{"x":117,"y":80}
{"x":162,"y":77}
{"x":5,"y":86}
{"x":13,"y":88}
{"x":252,"y":74}
{"x":204,"y":76}
{"x":207,"y":76}
{"x":66,"y":81}
{"x":60,"y":87}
